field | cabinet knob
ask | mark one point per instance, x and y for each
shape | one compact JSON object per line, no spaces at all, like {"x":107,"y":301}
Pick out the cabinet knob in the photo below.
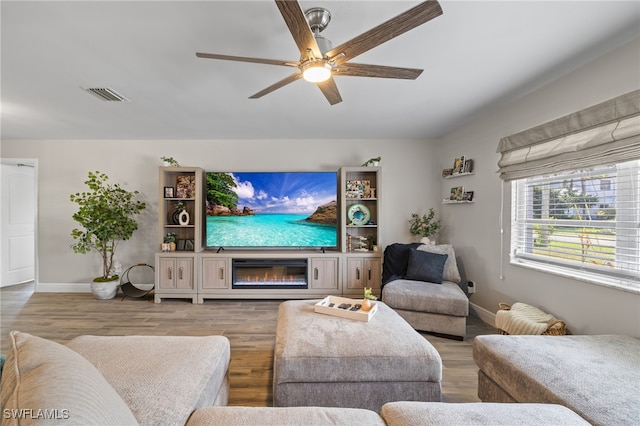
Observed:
{"x":358,"y":273}
{"x":315,"y":273}
{"x":180,"y":273}
{"x":221,"y":275}
{"x":170,"y":272}
{"x":369,"y":271}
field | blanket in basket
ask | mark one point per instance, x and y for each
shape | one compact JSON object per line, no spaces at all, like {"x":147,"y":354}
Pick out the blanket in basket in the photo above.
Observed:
{"x":523,"y":319}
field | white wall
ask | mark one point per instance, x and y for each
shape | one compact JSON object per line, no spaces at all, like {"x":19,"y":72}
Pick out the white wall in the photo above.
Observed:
{"x":407,"y":184}
{"x":474,"y":229}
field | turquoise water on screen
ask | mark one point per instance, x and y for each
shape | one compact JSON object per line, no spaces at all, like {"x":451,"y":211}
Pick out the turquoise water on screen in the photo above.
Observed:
{"x":268,"y":230}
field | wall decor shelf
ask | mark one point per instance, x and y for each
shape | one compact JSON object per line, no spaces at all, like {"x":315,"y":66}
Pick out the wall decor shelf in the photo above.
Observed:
{"x":457,"y":202}
{"x":457,"y":175}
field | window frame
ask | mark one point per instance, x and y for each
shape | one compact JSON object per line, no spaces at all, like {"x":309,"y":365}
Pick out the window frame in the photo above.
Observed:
{"x":523,"y":231}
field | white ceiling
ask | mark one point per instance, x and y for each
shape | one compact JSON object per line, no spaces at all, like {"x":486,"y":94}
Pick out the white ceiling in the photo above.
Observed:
{"x":476,"y":55}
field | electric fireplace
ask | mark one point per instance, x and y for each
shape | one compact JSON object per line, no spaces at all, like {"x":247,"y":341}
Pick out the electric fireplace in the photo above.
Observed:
{"x":269,"y":273}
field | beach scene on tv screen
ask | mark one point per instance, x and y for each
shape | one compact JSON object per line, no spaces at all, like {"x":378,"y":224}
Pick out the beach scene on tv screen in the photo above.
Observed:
{"x":271,"y":209}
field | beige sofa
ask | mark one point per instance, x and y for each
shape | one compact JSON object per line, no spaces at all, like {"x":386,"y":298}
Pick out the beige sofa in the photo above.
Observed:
{"x":597,"y":377}
{"x":175,"y":380}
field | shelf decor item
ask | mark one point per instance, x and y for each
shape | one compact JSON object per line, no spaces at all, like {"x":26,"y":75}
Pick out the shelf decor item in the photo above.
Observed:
{"x":372,"y":162}
{"x":185,"y":187}
{"x":458,"y":165}
{"x":106,"y":215}
{"x":359,"y":214}
{"x":457,"y":193}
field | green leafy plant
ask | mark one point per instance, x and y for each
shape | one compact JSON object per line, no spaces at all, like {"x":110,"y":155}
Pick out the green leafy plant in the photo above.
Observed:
{"x":370,"y":161}
{"x":106,"y":215}
{"x":170,"y":237}
{"x":368,"y":294}
{"x":170,"y":161}
{"x":424,"y":226}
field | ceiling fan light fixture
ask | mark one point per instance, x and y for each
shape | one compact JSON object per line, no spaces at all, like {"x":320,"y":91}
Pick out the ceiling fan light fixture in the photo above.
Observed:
{"x":316,"y":72}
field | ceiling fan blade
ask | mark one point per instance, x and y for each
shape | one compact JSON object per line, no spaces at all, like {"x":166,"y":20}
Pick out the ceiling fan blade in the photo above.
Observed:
{"x":330,"y":91}
{"x":299,"y":28}
{"x":390,"y":29}
{"x":246,"y":59}
{"x":276,"y":86}
{"x":380,"y":71}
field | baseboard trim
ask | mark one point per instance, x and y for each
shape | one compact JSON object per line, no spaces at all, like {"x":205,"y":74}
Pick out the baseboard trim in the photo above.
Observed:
{"x":63,"y":288}
{"x":75,"y":288}
{"x":482,"y":313}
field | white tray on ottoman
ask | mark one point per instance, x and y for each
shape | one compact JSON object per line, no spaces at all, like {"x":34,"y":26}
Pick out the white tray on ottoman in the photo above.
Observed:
{"x":324,"y":307}
{"x":327,"y":361}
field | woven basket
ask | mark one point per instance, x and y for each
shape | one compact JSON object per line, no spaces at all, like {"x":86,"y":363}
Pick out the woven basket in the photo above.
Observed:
{"x":556,"y":328}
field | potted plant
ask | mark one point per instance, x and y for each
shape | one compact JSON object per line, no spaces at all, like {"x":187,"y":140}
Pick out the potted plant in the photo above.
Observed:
{"x":169,"y":162}
{"x":424,"y":226}
{"x":106,"y":216}
{"x":375,"y":161}
{"x":170,"y":239}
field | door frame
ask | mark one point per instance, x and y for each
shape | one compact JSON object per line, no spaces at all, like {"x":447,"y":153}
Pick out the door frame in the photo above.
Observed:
{"x":29,"y":162}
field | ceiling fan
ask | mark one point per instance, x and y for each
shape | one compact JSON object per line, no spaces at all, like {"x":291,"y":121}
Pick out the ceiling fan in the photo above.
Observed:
{"x":319,"y":62}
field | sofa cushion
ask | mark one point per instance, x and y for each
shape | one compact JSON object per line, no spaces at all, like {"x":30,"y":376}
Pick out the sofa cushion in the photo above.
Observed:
{"x":284,"y":416}
{"x":406,"y":413}
{"x":163,"y":379}
{"x":424,"y":266}
{"x":446,"y":298}
{"x":598,"y":376}
{"x":451,"y":272}
{"x":396,"y":257}
{"x":43,"y":375}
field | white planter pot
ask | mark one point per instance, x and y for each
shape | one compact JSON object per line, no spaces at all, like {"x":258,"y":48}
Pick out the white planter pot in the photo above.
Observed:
{"x":105,"y":290}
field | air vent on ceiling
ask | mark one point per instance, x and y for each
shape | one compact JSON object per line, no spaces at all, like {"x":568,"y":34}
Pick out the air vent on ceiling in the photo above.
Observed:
{"x":107,"y":94}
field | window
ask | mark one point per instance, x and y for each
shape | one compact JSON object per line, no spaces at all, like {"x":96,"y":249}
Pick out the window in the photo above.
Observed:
{"x":584,"y":224}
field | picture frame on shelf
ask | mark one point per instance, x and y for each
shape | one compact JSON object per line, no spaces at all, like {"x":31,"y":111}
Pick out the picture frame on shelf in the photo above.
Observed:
{"x":180,"y":245}
{"x":468,"y":166}
{"x":457,"y":192}
{"x":169,"y":192}
{"x":458,"y":165}
{"x":467,"y":196}
{"x":185,"y":187}
{"x":189,"y":245}
{"x":447,"y":172}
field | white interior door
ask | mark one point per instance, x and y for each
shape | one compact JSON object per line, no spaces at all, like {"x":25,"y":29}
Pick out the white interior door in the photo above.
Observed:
{"x":17,"y":248}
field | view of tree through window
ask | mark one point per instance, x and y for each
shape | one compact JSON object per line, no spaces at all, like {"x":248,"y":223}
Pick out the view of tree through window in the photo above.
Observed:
{"x":587,"y":220}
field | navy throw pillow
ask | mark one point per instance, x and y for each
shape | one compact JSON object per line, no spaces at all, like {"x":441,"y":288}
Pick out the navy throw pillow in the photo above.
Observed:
{"x":396,"y":258}
{"x":425,"y":266}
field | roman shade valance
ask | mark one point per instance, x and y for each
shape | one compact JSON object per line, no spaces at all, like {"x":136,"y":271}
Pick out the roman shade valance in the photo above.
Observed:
{"x":605,"y":133}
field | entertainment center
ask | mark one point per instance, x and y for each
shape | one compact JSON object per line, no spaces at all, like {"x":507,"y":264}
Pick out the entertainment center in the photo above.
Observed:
{"x":275,"y":235}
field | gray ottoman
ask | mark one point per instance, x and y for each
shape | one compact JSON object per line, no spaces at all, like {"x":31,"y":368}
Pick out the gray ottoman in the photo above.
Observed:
{"x":322,"y":360}
{"x":477,"y":413}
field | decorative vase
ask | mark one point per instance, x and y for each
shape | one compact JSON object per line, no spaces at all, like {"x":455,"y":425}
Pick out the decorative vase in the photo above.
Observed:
{"x":175,"y":217}
{"x":183,"y":217}
{"x":426,"y":240}
{"x":172,"y":246}
{"x":105,"y":290}
{"x":366,"y":305}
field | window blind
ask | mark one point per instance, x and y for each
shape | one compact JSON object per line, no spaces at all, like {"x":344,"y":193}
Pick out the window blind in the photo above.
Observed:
{"x":583,"y":223}
{"x":606,"y":133}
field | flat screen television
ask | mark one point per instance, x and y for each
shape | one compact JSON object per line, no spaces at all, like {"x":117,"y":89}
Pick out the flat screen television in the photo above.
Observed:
{"x":271,"y":210}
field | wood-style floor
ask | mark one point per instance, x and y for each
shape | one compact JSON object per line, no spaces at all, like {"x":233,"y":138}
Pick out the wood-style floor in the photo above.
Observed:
{"x":250,"y":326}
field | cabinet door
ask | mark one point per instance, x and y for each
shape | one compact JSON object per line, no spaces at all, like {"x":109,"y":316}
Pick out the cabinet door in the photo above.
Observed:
{"x":175,"y":273}
{"x":355,"y":273}
{"x":363,"y":272}
{"x":324,"y":273}
{"x":167,"y":273}
{"x":184,"y":273}
{"x":372,"y":273}
{"x":215,"y":273}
